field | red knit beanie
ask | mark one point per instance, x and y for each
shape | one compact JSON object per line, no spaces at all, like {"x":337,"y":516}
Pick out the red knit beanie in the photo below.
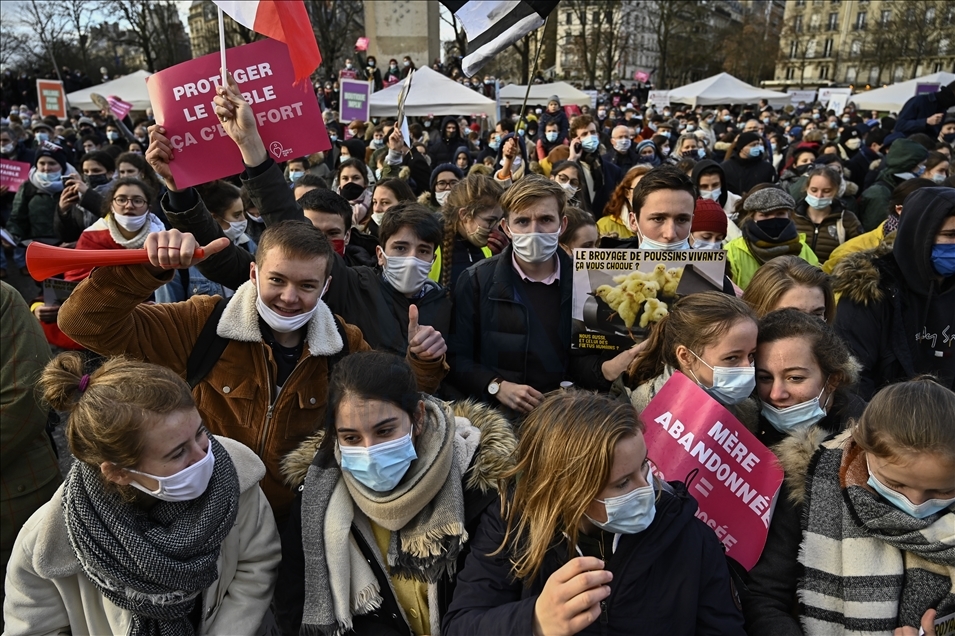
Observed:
{"x":708,"y":216}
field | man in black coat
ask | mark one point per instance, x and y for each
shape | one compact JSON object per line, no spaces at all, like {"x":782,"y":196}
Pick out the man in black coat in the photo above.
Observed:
{"x":747,"y":167}
{"x":442,"y":147}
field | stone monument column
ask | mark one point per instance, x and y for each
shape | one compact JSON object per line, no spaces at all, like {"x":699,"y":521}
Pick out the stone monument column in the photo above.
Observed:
{"x":396,"y":28}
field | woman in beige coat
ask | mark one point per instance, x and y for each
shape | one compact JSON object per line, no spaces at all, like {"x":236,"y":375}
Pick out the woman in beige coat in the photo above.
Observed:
{"x":159,"y":526}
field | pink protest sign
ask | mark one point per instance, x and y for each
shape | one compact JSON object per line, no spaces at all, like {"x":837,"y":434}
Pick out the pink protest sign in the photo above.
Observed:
{"x":287,"y":115}
{"x":13,"y":174}
{"x":738,"y":478}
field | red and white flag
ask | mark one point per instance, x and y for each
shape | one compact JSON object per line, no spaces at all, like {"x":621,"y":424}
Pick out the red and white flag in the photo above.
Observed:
{"x":283,"y":20}
{"x":118,"y":106}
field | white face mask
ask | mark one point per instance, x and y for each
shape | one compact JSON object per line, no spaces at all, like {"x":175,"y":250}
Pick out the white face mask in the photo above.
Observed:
{"x":186,"y":485}
{"x":406,"y":274}
{"x":795,"y":417}
{"x":622,"y":145}
{"x":650,"y":244}
{"x":706,"y":245}
{"x":731,"y":385}
{"x":516,"y":164}
{"x":235,"y":230}
{"x":630,"y":513}
{"x":535,"y":247}
{"x":130,"y":223}
{"x":278,"y":322}
{"x":441,"y":197}
{"x":377,"y":217}
{"x":712,"y":195}
{"x":570,"y":189}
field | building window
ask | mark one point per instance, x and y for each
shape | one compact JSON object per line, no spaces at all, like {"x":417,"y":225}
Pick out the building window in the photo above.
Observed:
{"x":833,"y":21}
{"x":811,"y":48}
{"x":790,"y":73}
{"x":899,"y":73}
{"x":930,"y":15}
{"x":570,"y":18}
{"x":855,"y":49}
{"x":886,"y":17}
{"x":942,"y":47}
{"x":860,"y":21}
{"x":800,"y":3}
{"x":814,"y":21}
{"x":851,"y":73}
{"x":874,"y":74}
{"x":938,"y":67}
{"x":794,"y":49}
{"x":823,"y":72}
{"x":797,"y":24}
{"x":827,"y":48}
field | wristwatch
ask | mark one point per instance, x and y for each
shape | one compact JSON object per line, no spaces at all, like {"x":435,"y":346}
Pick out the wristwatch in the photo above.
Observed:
{"x":494,"y":386}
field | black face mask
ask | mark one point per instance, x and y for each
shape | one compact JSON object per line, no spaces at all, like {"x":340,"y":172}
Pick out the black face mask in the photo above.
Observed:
{"x":775,"y":227}
{"x":96,"y":180}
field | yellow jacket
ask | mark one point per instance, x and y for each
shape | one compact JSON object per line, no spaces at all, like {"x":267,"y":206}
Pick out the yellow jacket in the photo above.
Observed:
{"x":611,"y":225}
{"x":863,"y":242}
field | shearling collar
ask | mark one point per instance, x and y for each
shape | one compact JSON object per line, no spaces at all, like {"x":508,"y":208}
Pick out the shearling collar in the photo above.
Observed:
{"x":240,"y":321}
{"x":53,"y":557}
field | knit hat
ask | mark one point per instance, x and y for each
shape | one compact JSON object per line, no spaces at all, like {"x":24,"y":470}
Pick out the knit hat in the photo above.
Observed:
{"x":746,"y":139}
{"x":444,"y":167}
{"x":645,"y":143}
{"x":708,"y":216}
{"x":37,"y":125}
{"x":52,"y":151}
{"x":553,"y":98}
{"x":768,"y":199}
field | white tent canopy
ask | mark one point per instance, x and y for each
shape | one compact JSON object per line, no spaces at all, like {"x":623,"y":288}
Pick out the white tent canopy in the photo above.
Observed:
{"x":432,"y":94}
{"x":893,"y":97}
{"x":129,"y":88}
{"x":513,"y":94}
{"x":724,"y":89}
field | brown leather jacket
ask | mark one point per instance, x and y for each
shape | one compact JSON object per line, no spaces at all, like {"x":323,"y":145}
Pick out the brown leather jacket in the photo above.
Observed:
{"x":237,"y":399}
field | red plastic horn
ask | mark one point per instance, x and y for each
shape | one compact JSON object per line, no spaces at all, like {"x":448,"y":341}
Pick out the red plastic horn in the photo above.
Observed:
{"x":45,"y":261}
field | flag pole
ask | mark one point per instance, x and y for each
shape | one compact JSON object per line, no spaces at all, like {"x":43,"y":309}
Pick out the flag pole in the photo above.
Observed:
{"x":530,"y":80}
{"x":222,"y":47}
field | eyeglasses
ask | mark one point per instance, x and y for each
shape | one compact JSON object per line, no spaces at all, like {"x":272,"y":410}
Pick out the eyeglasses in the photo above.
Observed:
{"x":441,"y":186}
{"x":564,"y":179}
{"x":137,"y":202}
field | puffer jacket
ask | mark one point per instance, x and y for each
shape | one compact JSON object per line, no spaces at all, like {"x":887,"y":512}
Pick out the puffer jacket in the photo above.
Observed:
{"x":743,"y":264}
{"x":237,"y":398}
{"x":904,"y":155}
{"x":895,"y":312}
{"x":860,"y":243}
{"x":33,"y":213}
{"x":48,"y":593}
{"x":493,"y":456}
{"x":839,"y":226}
{"x":671,"y":579}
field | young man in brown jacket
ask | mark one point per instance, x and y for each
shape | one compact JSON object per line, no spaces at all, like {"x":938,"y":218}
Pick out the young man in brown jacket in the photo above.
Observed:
{"x":268,"y":388}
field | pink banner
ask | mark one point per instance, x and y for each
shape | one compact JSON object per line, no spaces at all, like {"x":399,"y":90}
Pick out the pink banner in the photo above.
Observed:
{"x":738,"y":478}
{"x":118,"y":106}
{"x":13,"y":174}
{"x":288,"y":116}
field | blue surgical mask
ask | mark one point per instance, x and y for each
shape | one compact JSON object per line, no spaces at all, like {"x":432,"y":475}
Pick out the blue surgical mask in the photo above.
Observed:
{"x":701,"y":153}
{"x":49,"y":178}
{"x":707,"y":245}
{"x":294,"y":175}
{"x":43,"y":137}
{"x":712,"y":195}
{"x":333,"y":138}
{"x":630,"y":513}
{"x":731,"y":385}
{"x":650,"y":244}
{"x":939,"y":178}
{"x":900,"y":501}
{"x":943,"y":259}
{"x":494,"y":143}
{"x":755,"y":151}
{"x":551,"y":136}
{"x":380,"y":467}
{"x":817,"y":202}
{"x":796,"y":417}
{"x":590,"y":144}
{"x":666,"y":133}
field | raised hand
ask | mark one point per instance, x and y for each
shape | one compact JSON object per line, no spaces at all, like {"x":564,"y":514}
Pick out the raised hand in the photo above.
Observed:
{"x":424,"y":342}
{"x":160,"y":154}
{"x":238,"y":121}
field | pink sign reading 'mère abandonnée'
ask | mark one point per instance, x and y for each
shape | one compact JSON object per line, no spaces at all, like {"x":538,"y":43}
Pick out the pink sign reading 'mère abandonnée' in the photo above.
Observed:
{"x":737,"y":477}
{"x":287,"y":115}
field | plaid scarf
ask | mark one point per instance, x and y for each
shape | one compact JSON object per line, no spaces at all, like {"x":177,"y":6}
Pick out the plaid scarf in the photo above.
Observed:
{"x":869,"y":567}
{"x":154,"y":563}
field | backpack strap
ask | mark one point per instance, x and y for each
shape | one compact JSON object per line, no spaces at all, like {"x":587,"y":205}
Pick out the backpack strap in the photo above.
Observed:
{"x":208,"y":348}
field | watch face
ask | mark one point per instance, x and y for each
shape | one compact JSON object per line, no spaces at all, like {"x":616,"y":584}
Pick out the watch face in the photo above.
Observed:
{"x":493,"y":388}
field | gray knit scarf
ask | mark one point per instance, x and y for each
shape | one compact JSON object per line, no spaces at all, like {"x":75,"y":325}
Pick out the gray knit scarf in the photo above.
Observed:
{"x":154,"y":563}
{"x":425,"y":513}
{"x":896,"y":568}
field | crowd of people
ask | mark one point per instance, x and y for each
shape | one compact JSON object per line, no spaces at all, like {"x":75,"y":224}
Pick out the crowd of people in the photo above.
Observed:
{"x":357,"y":409}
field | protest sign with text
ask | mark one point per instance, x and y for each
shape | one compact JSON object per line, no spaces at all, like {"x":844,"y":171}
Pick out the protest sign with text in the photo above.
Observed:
{"x":355,"y":94}
{"x":737,"y":478}
{"x":13,"y":174}
{"x":51,"y":98}
{"x":287,"y":115}
{"x":619,"y":294}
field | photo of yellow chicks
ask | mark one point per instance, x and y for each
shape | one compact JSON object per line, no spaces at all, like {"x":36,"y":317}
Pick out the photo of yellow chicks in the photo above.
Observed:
{"x":641,"y":290}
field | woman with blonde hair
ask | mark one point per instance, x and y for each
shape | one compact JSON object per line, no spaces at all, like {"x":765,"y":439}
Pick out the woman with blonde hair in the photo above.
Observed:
{"x":471,"y":212}
{"x":789,"y":281}
{"x":711,"y":338}
{"x":159,"y":528}
{"x":615,"y":221}
{"x":590,"y":541}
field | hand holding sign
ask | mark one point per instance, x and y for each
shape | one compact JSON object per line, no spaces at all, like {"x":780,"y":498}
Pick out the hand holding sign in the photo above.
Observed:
{"x":570,"y":600}
{"x":159,"y":155}
{"x":238,"y":120}
{"x":425,"y":343}
{"x":171,"y":249}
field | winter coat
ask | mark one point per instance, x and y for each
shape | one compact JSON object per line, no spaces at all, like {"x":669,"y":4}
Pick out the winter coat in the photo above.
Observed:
{"x":863,"y":242}
{"x":669,"y":580}
{"x":560,"y":118}
{"x":743,"y":264}
{"x":612,"y":175}
{"x":838,"y":226}
{"x":29,"y":473}
{"x":441,"y":150}
{"x":625,"y":160}
{"x":903,"y":156}
{"x":917,"y":109}
{"x":48,"y":592}
{"x":237,"y":398}
{"x":896,"y":314}
{"x":33,"y":214}
{"x":494,"y":455}
{"x":860,"y":165}
{"x":743,"y":174}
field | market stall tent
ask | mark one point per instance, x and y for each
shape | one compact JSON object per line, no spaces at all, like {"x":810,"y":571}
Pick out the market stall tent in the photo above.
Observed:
{"x":129,"y":88}
{"x":724,"y":89}
{"x":894,"y":96}
{"x":432,"y":94}
{"x":513,"y":94}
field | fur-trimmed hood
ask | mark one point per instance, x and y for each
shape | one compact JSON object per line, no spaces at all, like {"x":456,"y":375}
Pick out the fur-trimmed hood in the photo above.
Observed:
{"x":858,"y":276}
{"x":495,"y":453}
{"x":795,"y":453}
{"x":240,"y":321}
